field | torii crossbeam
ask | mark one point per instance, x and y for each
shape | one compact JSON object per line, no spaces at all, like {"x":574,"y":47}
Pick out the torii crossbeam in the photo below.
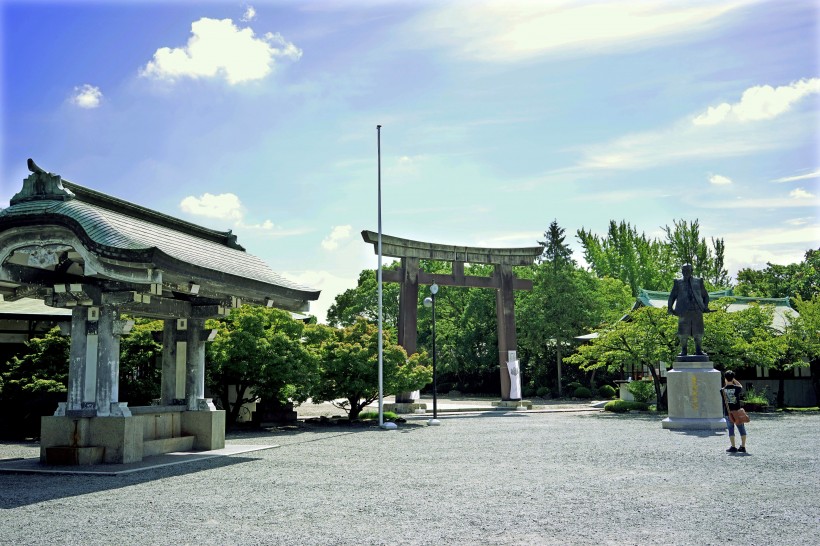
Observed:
{"x":502,"y":280}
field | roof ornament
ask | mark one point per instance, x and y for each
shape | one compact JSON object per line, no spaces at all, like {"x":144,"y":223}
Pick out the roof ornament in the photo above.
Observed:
{"x":41,"y":185}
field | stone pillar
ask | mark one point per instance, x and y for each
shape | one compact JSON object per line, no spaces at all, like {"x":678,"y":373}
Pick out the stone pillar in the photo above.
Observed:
{"x":173,"y":358}
{"x":77,"y":361}
{"x":108,"y":362}
{"x":195,"y":364}
{"x":693,"y":395}
{"x":505,"y":315}
{"x":408,"y":315}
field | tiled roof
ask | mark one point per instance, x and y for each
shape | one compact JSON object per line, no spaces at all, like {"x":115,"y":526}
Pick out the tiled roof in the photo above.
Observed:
{"x":118,"y":228}
{"x":782,"y":308}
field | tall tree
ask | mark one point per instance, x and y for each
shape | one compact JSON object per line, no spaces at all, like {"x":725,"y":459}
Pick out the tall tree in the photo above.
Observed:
{"x":688,"y":247}
{"x":362,"y":301}
{"x":718,"y":275}
{"x":781,"y":281}
{"x":561,"y":303}
{"x":633,"y":258}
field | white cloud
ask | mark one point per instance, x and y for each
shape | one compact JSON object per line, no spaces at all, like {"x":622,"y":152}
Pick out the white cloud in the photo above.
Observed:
{"x":779,"y":245}
{"x":807,"y":176}
{"x":719,"y":180}
{"x":797,"y":222}
{"x":500,"y":31}
{"x":249,"y":15}
{"x":338,"y":234}
{"x":685,"y":141}
{"x":330,"y":284}
{"x":795,"y":201}
{"x":219,"y":49}
{"x":800,"y":193}
{"x":759,"y":103}
{"x":87,"y":96}
{"x":225,"y":206}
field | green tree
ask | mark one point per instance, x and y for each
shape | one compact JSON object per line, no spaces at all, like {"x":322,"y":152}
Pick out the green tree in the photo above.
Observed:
{"x":362,"y":301}
{"x":466,"y":331}
{"x":647,"y":338}
{"x":743,"y":338}
{"x":803,"y":332}
{"x":349,"y":366}
{"x":41,"y":368}
{"x":259,"y":352}
{"x":562,"y":304}
{"x":781,"y":281}
{"x":688,"y":247}
{"x":633,"y":258}
{"x":140,"y":363}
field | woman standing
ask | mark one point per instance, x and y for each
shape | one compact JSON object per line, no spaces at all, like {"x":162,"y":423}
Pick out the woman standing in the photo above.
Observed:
{"x":732,"y":393}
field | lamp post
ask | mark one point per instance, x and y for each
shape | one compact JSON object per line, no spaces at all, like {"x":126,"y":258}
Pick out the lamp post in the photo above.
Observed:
{"x":431,"y":302}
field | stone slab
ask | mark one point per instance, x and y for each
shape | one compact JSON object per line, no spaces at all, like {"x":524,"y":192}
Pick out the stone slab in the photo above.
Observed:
{"x":683,"y":423}
{"x":167,"y":445}
{"x":404,"y":407}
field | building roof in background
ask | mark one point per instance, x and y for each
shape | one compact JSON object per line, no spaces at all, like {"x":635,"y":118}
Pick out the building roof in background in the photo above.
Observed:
{"x":782,"y":307}
{"x":32,"y":307}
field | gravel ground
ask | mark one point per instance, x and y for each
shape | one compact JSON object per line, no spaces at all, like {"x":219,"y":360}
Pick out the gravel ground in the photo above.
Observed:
{"x":490,"y":478}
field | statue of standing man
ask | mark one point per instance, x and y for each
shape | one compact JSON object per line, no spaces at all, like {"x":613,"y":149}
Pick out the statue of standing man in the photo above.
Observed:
{"x":691,"y":300}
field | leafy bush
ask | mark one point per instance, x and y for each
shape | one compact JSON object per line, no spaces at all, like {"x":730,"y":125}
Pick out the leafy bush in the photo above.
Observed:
{"x":623,"y":406}
{"x":572,"y":386}
{"x":529,"y":391}
{"x":753,"y":396}
{"x":582,"y":392}
{"x":643,"y":391}
{"x":374,"y":415}
{"x":606,"y":391}
{"x":543,"y":392}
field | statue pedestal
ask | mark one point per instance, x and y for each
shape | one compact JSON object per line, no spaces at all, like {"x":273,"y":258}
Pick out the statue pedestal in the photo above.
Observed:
{"x":693,"y":395}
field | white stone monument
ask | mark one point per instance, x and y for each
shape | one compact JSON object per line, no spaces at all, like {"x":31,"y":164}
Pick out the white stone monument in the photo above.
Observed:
{"x":693,"y":395}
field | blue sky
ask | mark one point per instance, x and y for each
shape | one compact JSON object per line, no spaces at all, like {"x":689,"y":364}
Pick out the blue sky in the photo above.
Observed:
{"x":498,"y":117}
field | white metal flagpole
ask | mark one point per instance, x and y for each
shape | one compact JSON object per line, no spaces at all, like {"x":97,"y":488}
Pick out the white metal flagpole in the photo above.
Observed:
{"x":379,"y":280}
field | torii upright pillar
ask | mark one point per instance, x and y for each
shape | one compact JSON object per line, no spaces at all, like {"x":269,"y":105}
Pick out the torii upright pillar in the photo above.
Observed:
{"x":410,"y":276}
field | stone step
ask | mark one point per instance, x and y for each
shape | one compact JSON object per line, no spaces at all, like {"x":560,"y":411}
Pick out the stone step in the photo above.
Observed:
{"x":167,"y":445}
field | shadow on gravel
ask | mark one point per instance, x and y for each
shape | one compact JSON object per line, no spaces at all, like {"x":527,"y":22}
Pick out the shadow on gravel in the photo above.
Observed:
{"x":481,"y":415}
{"x":26,"y":489}
{"x":699,"y":433}
{"x":314,"y":430}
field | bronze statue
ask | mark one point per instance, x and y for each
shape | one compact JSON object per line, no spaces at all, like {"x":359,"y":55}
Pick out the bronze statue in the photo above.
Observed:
{"x":691,"y":300}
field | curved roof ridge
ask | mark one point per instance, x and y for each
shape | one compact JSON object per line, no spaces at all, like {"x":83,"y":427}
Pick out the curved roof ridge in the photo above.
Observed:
{"x":115,"y":204}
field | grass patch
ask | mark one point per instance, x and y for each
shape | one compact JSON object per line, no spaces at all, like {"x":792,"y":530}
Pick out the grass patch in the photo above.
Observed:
{"x":623,"y":406}
{"x":801,"y":410}
{"x":374,"y":416}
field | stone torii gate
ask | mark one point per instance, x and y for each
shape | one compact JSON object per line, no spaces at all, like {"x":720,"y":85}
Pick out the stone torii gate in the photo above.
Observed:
{"x":410,"y":276}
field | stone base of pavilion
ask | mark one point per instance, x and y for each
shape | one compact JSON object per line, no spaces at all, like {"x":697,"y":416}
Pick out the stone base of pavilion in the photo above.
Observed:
{"x":406,"y":407}
{"x":693,"y":395}
{"x":513,"y":404}
{"x":148,"y":431}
